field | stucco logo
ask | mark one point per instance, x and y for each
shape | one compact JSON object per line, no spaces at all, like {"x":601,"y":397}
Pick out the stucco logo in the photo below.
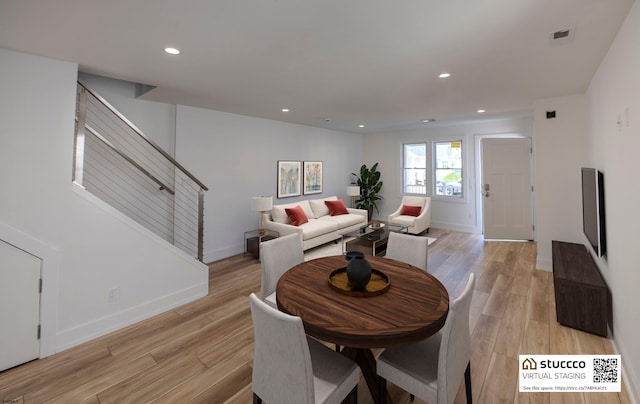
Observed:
{"x":569,"y":373}
{"x":529,"y":364}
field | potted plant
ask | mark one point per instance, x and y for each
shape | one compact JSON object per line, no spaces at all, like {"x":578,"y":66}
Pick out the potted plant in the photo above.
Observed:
{"x":370,"y":185}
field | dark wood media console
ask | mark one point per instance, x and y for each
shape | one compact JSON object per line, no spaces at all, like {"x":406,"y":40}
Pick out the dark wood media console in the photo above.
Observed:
{"x":583,"y":300}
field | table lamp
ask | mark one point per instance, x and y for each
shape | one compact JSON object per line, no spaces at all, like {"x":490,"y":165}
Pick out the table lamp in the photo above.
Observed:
{"x":353,"y":191}
{"x":262,"y":204}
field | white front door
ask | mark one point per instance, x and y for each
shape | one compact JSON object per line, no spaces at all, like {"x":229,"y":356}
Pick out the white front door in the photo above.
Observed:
{"x":19,"y":306}
{"x":506,"y":188}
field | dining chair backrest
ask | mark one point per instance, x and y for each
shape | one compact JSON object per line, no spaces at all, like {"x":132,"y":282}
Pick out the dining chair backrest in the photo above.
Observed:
{"x":408,"y":248}
{"x":282,"y":369}
{"x":277,"y":256}
{"x":455,"y":346}
{"x":433,"y":368}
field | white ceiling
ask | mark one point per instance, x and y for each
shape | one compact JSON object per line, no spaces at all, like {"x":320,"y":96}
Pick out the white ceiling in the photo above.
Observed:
{"x":371,"y":62}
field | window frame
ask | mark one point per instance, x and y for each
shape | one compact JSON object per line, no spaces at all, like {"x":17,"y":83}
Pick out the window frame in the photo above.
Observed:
{"x":434,"y":183}
{"x":404,"y":169}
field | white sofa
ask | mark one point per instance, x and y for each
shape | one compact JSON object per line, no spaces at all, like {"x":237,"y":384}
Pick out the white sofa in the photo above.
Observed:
{"x":321,"y":228}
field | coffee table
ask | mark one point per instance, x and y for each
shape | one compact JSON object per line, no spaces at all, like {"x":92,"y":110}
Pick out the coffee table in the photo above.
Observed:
{"x":369,"y":239}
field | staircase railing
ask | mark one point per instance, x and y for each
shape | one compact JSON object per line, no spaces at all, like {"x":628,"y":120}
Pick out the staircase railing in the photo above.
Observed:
{"x":118,"y":163}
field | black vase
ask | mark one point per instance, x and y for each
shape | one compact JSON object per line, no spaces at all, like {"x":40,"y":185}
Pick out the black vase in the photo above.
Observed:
{"x":351,"y":254}
{"x":358,"y":271}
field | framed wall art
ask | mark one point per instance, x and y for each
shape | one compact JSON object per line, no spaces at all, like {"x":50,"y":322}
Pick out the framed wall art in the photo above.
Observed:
{"x":312,"y":174}
{"x":288,"y":178}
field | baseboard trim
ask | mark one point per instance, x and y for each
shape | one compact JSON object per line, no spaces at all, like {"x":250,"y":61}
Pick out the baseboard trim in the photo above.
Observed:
{"x":544,"y":264}
{"x":629,"y":387}
{"x":455,"y":227}
{"x":221,"y":253}
{"x":90,"y":330}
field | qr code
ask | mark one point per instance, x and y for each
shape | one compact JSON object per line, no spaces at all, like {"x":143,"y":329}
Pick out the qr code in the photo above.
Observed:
{"x":605,"y":370}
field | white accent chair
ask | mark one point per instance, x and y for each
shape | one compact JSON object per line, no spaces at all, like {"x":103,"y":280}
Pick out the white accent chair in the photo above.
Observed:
{"x":276,"y":257}
{"x":408,"y":248}
{"x":414,"y":224}
{"x":289,"y":367}
{"x":432,"y":369}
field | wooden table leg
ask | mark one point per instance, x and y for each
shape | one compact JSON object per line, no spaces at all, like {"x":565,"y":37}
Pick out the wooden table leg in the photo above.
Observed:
{"x":367,"y":362}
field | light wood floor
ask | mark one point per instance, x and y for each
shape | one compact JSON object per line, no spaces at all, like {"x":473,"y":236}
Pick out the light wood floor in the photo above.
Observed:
{"x":202,"y":352}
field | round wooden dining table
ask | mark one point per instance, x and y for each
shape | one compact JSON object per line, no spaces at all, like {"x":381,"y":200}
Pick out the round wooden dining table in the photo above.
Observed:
{"x":413,"y":308}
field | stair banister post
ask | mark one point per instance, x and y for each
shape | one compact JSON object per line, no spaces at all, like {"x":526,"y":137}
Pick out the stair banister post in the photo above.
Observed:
{"x":78,"y":147}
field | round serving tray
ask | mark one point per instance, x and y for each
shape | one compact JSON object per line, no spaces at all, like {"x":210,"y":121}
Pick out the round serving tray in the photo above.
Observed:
{"x":378,"y":284}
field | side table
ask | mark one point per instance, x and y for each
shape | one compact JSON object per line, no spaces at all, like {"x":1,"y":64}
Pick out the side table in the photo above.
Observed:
{"x":253,"y":238}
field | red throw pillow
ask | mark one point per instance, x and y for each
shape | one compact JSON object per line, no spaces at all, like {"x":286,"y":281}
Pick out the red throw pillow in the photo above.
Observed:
{"x":296,"y":215}
{"x":336,"y":207}
{"x":409,"y":210}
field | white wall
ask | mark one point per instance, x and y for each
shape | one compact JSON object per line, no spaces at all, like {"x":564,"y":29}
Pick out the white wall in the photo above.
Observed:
{"x":586,"y":133}
{"x":236,"y":158}
{"x":97,"y":248}
{"x":560,"y":146}
{"x":613,"y":148}
{"x":447,"y":213}
{"x":155,"y":119}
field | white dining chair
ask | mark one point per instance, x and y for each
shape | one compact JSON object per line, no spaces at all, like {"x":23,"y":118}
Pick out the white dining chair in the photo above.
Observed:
{"x":276,"y":257}
{"x":289,"y":367}
{"x":432,"y":369}
{"x":408,"y":248}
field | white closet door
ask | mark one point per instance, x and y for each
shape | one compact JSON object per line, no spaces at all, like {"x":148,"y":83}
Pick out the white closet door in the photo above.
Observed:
{"x":19,"y":306}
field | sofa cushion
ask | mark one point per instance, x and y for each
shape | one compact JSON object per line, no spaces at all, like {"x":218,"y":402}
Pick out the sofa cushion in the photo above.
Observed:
{"x":407,"y":221}
{"x":279,"y":215}
{"x":409,"y":210}
{"x":336,"y":207}
{"x":343,"y":221}
{"x":319,"y":207}
{"x":296,"y":215}
{"x":317,"y":227}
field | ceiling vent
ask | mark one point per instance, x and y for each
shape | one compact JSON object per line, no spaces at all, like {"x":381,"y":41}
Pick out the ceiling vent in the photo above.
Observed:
{"x":562,"y":36}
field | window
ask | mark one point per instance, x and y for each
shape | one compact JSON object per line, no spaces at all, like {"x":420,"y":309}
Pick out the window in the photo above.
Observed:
{"x":414,"y":164}
{"x":448,"y":168}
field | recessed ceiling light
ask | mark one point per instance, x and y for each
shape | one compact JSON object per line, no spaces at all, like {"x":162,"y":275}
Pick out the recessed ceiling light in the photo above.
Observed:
{"x":172,"y":51}
{"x":285,"y":109}
{"x":444,"y":75}
{"x":428,"y":120}
{"x":482,"y":111}
{"x":361,"y":126}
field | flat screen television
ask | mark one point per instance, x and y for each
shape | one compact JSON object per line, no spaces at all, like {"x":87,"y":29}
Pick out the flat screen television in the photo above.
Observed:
{"x":593,"y":220}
